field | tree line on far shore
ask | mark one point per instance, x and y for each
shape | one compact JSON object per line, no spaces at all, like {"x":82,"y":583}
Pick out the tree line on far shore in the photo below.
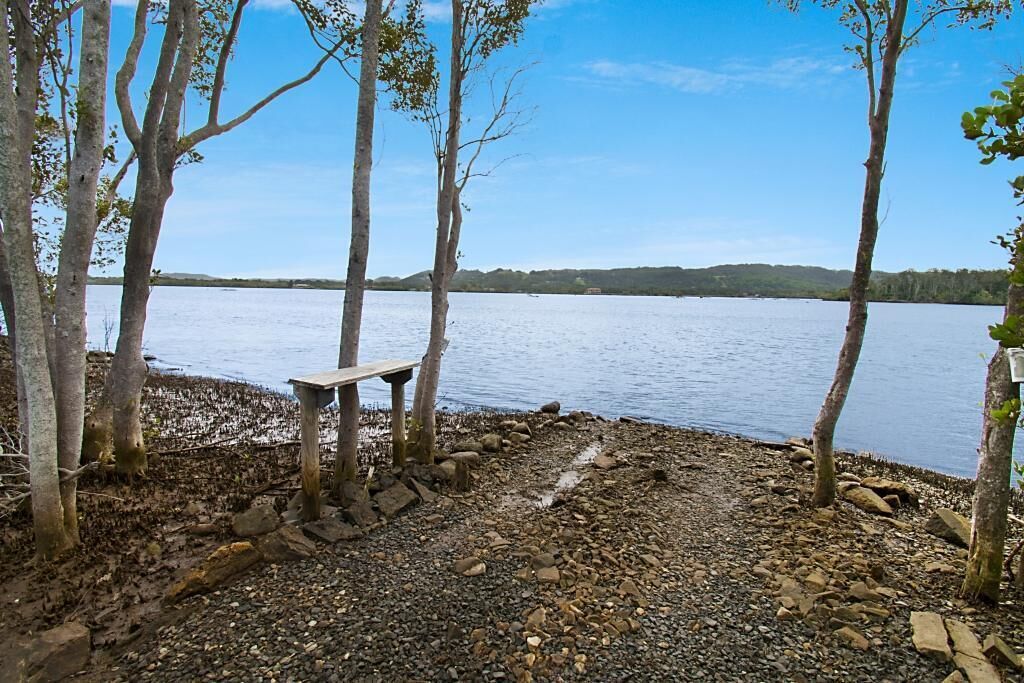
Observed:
{"x":979,"y":287}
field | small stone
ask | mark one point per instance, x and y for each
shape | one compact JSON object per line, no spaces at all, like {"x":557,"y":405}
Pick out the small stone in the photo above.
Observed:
{"x":491,"y":442}
{"x":548,"y":575}
{"x":255,"y":521}
{"x":331,"y":530}
{"x":628,"y":587}
{"x":470,"y":566}
{"x":929,"y":636}
{"x":522,"y":428}
{"x":534,"y":641}
{"x":853,"y":637}
{"x":424,"y":492}
{"x":605,"y":462}
{"x":996,"y":649}
{"x":394,"y":499}
{"x":955,"y":677}
{"x":950,"y":526}
{"x":860,"y":591}
{"x":551,"y":408}
{"x":285,"y":544}
{"x":783,"y":614}
{"x":542,"y":560}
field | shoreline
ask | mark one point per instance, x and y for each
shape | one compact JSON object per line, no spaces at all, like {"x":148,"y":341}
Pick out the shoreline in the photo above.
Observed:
{"x":695,"y":504}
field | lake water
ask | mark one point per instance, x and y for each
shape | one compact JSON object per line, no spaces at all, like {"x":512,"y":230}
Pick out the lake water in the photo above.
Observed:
{"x":754,"y":367}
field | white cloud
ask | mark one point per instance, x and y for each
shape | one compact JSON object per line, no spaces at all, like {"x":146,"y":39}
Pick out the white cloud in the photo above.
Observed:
{"x":789,"y":72}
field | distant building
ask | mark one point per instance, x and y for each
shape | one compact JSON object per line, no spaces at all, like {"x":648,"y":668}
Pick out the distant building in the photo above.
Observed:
{"x":301,"y":285}
{"x":592,"y":290}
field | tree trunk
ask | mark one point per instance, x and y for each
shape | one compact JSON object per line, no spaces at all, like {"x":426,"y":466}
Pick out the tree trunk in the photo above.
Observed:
{"x":992,"y":486}
{"x":76,"y":248}
{"x":128,"y":369}
{"x":878,"y":123}
{"x":346,"y":462}
{"x":422,"y":436}
{"x":17,"y":124}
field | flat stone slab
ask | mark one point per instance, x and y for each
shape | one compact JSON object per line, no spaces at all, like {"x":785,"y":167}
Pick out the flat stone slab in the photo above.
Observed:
{"x":929,"y":636}
{"x":256,"y":521}
{"x":394,"y":499}
{"x":331,"y":530}
{"x":52,"y":655}
{"x":949,"y":525}
{"x":867,"y":500}
{"x":361,"y":513}
{"x":285,"y":544}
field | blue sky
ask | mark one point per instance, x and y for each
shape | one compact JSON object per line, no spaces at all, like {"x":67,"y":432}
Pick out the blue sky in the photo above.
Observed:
{"x":667,"y":132}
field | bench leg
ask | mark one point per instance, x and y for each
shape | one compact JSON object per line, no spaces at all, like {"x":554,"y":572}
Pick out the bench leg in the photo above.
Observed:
{"x":398,"y":423}
{"x":398,"y":382}
{"x":309,"y":406}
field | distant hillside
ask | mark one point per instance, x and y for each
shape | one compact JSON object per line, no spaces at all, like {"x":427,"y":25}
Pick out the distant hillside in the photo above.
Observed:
{"x":755,"y":279}
{"x":750,"y":279}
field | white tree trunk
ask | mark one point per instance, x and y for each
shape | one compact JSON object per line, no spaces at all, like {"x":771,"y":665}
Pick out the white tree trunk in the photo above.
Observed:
{"x":17,"y":125}
{"x":76,"y":246}
{"x":346,"y":462}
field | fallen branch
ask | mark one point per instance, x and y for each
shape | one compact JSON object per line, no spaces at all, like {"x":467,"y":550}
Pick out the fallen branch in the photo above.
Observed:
{"x":1008,"y":565}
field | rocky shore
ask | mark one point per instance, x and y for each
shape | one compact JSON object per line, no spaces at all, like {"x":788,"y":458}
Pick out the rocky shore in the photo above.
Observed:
{"x":546,"y":546}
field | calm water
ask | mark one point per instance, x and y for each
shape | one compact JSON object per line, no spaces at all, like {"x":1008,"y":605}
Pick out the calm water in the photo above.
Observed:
{"x":753,"y":367}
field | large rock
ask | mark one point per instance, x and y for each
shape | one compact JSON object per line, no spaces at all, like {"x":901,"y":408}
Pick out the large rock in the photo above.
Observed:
{"x":950,"y":526}
{"x":963,"y":638}
{"x":867,"y":500}
{"x":929,"y":636}
{"x":351,"y":492}
{"x":330,"y":529}
{"x":996,"y":649}
{"x":285,"y":544}
{"x":491,"y":442}
{"x":471,"y":458}
{"x":424,"y":492}
{"x":522,"y":428}
{"x":888,"y":487}
{"x":394,"y":499}
{"x":256,"y":521}
{"x":52,"y":655}
{"x":224,"y":563}
{"x":457,"y":473}
{"x":551,"y":408}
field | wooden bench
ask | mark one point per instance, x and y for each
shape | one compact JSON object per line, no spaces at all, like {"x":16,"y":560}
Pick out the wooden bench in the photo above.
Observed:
{"x":318,"y":391}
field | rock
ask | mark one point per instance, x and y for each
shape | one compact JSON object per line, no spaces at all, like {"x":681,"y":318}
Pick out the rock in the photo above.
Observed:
{"x":448,"y":467}
{"x":518,"y":438}
{"x":950,"y":526}
{"x":471,"y":458}
{"x":468,"y":446}
{"x":860,"y":591}
{"x":52,"y":655}
{"x":537,"y":619}
{"x":542,"y":560}
{"x":548,"y":575}
{"x":470,"y":566}
{"x":361,"y":513}
{"x":844,"y":486}
{"x":846,"y":476}
{"x":522,"y":428}
{"x":256,"y":521}
{"x":886,"y":487}
{"x":491,"y":442}
{"x":964,"y":640}
{"x":394,"y":499}
{"x":894,"y":501}
{"x":605,"y":462}
{"x":929,"y":636}
{"x":331,"y":530}
{"x":203,"y":529}
{"x":867,"y":500}
{"x":853,"y":637}
{"x":223,"y":563}
{"x":551,"y":408}
{"x":996,"y":649}
{"x":351,"y":492}
{"x":285,"y":544}
{"x":955,"y":677}
{"x":801,"y":454}
{"x":783,"y":614}
{"x":425,"y":494}
{"x":628,"y":587}
{"x":977,"y":670}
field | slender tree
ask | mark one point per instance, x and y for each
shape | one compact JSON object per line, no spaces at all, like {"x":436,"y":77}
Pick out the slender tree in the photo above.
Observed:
{"x":480,"y":28}
{"x":999,"y":133}
{"x":882,"y":35}
{"x":51,"y":376}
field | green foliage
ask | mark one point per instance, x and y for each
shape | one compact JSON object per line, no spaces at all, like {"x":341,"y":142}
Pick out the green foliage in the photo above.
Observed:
{"x":998,"y":130}
{"x":1009,"y":411}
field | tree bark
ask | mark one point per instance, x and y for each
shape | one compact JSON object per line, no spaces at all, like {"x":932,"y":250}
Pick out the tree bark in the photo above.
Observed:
{"x":18,"y":103}
{"x":878,"y":123}
{"x":992,"y":486}
{"x":346,"y":462}
{"x":76,"y":248}
{"x":423,"y":437}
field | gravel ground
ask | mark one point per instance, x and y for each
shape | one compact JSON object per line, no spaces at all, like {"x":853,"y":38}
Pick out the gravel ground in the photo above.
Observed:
{"x":669,"y":559}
